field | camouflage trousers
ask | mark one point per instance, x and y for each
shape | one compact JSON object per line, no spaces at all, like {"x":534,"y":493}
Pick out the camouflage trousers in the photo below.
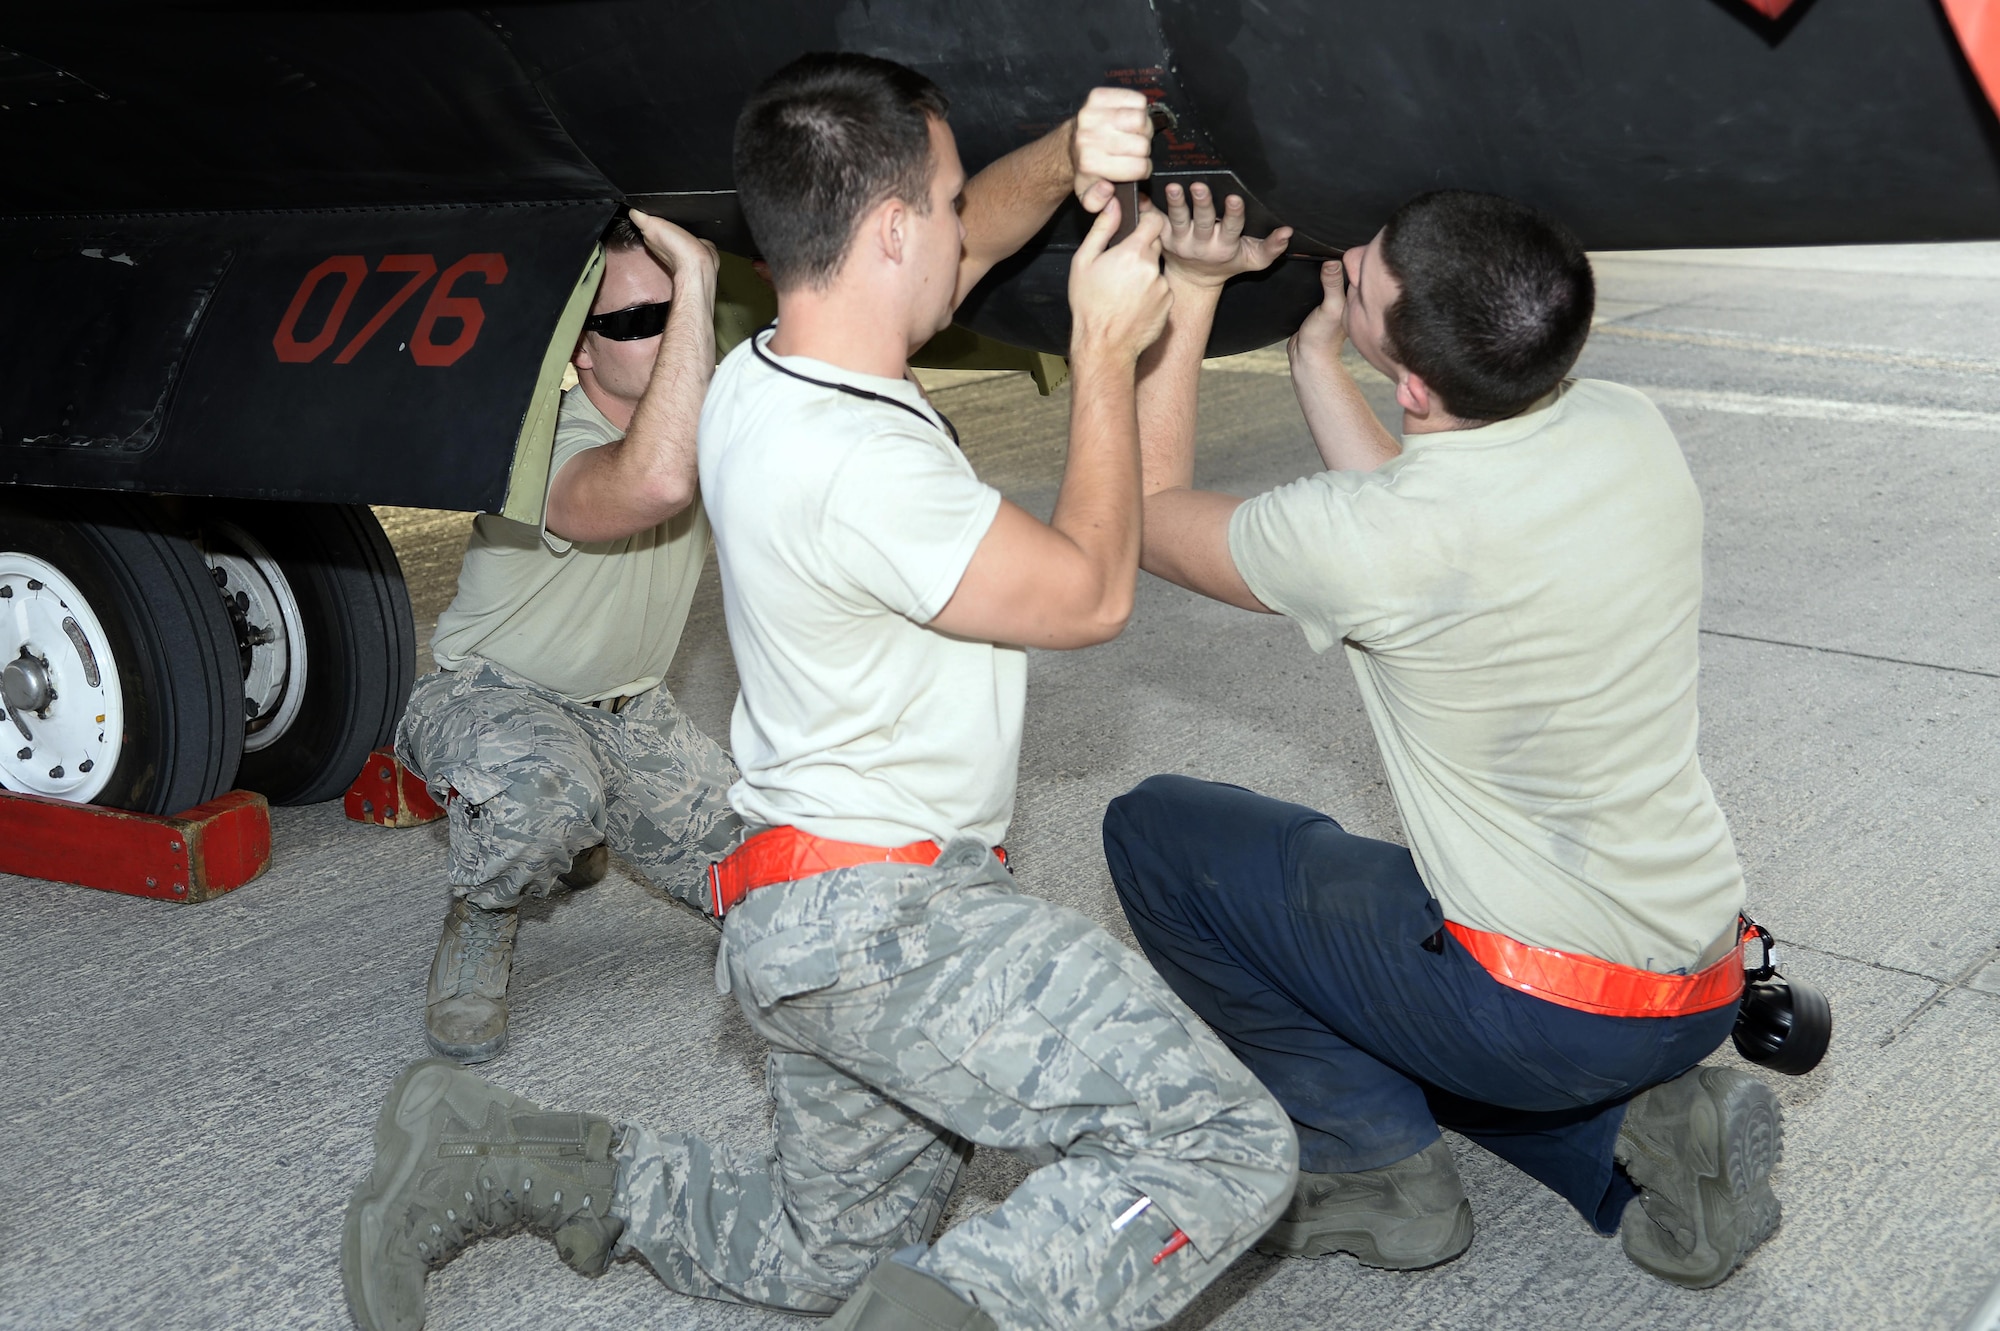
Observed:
{"x":913,"y":1010}
{"x":538,"y":778}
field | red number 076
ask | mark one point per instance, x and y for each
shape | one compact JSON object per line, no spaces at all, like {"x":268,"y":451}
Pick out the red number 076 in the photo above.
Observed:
{"x":421,"y":268}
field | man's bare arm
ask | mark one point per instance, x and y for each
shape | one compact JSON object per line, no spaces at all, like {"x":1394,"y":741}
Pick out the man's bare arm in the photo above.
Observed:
{"x":1186,"y":531}
{"x":1344,"y":428}
{"x":1110,"y":139}
{"x":622,"y":488}
{"x":1069,"y":582}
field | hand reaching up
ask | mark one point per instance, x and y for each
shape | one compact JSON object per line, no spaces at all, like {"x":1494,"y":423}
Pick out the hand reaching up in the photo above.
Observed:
{"x":691,"y":261}
{"x":1326,"y":326}
{"x":1118,"y":300}
{"x":1112,"y":142}
{"x":1205,"y":250}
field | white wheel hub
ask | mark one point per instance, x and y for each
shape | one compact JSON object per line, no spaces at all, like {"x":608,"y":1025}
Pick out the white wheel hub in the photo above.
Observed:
{"x":265,"y":615}
{"x":64,"y":722}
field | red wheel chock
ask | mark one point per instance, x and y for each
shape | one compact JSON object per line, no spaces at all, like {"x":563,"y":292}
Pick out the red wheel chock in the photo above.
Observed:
{"x":194,"y":855}
{"x":389,"y":794}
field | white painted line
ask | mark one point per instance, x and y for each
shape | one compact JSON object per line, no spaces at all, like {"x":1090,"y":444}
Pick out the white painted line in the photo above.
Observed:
{"x":1957,"y":259}
{"x":1272,"y":361}
{"x":1823,"y":409}
{"x":1862,"y":353}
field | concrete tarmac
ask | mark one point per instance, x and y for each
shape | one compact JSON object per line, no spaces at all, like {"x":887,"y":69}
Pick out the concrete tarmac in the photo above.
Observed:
{"x":189,"y":1092}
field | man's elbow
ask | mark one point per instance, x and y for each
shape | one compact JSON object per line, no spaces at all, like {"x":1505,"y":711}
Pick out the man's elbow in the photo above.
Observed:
{"x":665,"y":497}
{"x":1103,"y":621}
{"x":1113,"y":623}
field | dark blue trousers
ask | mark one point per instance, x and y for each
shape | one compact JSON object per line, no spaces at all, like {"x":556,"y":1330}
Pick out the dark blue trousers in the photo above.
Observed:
{"x":1321,"y":958}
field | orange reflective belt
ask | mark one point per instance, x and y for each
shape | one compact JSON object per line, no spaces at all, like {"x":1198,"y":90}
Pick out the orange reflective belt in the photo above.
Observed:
{"x":787,"y":854}
{"x":1590,"y":985}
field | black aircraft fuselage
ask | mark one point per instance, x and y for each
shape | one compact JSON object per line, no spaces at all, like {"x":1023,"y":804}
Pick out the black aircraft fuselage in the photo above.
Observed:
{"x":323,"y":250}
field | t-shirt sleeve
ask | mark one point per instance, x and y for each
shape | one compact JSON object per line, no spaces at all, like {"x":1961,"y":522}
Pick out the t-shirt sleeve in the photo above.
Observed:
{"x":902,"y":520}
{"x":575,"y":433}
{"x":1308,"y":551}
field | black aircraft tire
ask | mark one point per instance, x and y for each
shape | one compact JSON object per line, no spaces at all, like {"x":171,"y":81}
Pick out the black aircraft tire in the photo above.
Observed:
{"x":153,"y":597}
{"x":359,"y":642}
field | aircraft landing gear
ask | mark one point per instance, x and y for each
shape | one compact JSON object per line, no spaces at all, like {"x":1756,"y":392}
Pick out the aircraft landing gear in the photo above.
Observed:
{"x":119,"y":680}
{"x":321,"y":623}
{"x":153,"y":654}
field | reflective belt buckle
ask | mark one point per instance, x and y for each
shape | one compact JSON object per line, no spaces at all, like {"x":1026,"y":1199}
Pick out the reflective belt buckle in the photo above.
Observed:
{"x":786,"y":854}
{"x":725,"y":896}
{"x":1590,"y":984}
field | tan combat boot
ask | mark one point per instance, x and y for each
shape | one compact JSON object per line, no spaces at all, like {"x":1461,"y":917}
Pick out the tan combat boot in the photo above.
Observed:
{"x":458,"y":1159}
{"x":587,"y":868}
{"x":465,"y":1007}
{"x":1401,"y":1217}
{"x":1701,"y":1148}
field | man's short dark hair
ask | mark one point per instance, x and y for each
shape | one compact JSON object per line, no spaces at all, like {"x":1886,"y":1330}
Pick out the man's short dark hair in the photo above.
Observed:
{"x":620,"y":234}
{"x":824,"y":140}
{"x":1496,"y":300}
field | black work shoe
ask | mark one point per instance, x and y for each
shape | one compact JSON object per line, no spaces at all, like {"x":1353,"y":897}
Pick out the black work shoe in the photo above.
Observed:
{"x":458,"y":1159}
{"x":1701,"y":1148}
{"x":1401,"y":1217}
{"x":896,"y":1297}
{"x":465,"y":1003}
{"x":587,"y":868}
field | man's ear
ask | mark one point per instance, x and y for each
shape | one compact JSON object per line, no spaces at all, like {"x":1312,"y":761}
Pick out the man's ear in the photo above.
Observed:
{"x":1414,"y":395}
{"x":580,"y":358}
{"x":892,"y":228}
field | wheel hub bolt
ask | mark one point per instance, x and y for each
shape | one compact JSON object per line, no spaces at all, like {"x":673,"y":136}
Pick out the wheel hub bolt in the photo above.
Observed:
{"x":25,"y":683}
{"x":25,"y":754}
{"x":55,"y":773}
{"x":86,"y":765}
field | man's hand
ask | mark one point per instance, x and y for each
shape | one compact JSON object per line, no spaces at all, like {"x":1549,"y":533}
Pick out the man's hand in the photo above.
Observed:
{"x":1185,"y":532}
{"x":1325,"y":329}
{"x":688,"y":259}
{"x":1205,"y":250}
{"x":1111,"y":141}
{"x":623,"y":488}
{"x":1069,"y":582}
{"x":1343,"y":426}
{"x":1118,"y":299}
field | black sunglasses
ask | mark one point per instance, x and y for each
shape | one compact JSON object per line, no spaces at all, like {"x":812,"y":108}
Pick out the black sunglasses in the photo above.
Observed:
{"x":631,"y":324}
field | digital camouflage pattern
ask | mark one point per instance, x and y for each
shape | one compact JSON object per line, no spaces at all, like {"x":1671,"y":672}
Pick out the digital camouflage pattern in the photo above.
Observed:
{"x":912,"y":1010}
{"x":539,"y":778}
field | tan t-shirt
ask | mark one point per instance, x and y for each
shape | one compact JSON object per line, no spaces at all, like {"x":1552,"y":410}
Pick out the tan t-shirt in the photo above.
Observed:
{"x":1519,"y":605}
{"x":842,"y":526}
{"x":589,"y":621}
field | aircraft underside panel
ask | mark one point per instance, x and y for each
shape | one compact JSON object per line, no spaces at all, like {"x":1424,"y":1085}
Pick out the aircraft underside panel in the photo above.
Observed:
{"x":381,"y":355}
{"x":394,"y":133}
{"x":1645,"y":122}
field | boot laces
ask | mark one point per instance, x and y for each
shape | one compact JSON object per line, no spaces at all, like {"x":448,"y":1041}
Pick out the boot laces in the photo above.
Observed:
{"x":493,"y":1202}
{"x":479,"y":932}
